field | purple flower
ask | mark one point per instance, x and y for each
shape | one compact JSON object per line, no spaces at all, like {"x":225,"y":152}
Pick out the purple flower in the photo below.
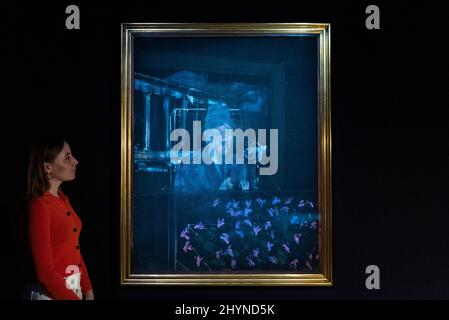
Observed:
{"x":218,"y":254}
{"x":276,"y":200}
{"x":256,"y":253}
{"x":187,"y":247}
{"x":247,"y":222}
{"x":247,"y":211}
{"x":309,"y":265}
{"x":288,"y":200}
{"x":198,"y":260}
{"x":248,"y":203}
{"x":268,"y":225}
{"x":256,"y":229}
{"x":310,"y":203}
{"x":220,"y":223}
{"x":229,"y":251}
{"x":286,"y":248}
{"x":199,"y":226}
{"x":272,"y":234}
{"x":216,"y":203}
{"x":225,"y":237}
{"x":296,"y":237}
{"x":233,"y":263}
{"x":250,"y":261}
{"x":313,"y":225}
{"x":261,"y":202}
{"x":273,"y":259}
{"x":294,"y":264}
{"x":301,"y":204}
{"x":185,"y":233}
{"x":269,"y":245}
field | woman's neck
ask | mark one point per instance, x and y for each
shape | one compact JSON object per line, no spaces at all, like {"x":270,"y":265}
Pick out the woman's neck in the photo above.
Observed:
{"x":54,"y":188}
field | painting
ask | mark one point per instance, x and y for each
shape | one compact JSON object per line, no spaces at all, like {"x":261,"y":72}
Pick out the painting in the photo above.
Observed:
{"x":226,"y":154}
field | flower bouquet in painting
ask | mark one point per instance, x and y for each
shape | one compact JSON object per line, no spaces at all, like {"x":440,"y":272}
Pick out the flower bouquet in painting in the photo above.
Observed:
{"x":269,"y":234}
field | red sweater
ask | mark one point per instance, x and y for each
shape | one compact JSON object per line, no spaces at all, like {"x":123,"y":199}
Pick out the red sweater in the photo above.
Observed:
{"x":54,"y":230}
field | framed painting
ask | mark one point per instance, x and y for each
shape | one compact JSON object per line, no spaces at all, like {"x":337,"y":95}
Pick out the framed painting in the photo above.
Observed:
{"x":226,"y":154}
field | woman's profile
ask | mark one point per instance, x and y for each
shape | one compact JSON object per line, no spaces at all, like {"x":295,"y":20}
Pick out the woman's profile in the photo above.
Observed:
{"x":53,"y":226}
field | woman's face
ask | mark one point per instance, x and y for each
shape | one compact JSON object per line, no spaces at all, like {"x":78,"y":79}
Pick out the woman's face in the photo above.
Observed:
{"x":63,"y":168}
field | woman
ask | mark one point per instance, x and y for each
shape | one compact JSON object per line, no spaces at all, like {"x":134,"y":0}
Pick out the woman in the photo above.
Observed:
{"x":53,"y":225}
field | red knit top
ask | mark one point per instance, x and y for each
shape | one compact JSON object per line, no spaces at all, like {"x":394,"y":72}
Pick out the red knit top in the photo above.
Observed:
{"x":54,"y":230}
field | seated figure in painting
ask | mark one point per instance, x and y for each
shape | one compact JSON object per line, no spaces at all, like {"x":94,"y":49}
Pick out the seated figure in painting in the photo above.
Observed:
{"x":216,"y":176}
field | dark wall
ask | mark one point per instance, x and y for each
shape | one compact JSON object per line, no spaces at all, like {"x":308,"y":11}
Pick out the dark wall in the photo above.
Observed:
{"x":390,"y":139}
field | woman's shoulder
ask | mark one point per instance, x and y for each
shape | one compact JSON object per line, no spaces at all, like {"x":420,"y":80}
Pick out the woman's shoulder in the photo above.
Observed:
{"x":37,"y":205}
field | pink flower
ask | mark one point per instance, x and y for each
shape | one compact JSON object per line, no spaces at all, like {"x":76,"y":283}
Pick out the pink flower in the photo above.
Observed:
{"x":187,"y":247}
{"x":198,"y":260}
{"x":308,"y":265}
{"x":199,"y":226}
{"x":185,"y":234}
{"x":286,"y":248}
{"x":294,"y":264}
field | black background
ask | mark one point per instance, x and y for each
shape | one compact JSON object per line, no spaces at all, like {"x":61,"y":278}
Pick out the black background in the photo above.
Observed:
{"x":390,"y":138}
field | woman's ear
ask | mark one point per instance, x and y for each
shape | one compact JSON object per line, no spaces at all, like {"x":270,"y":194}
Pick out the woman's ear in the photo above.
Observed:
{"x":47,"y":167}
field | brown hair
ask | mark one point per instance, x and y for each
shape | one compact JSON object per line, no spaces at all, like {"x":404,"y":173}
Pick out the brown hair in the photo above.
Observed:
{"x":44,"y":150}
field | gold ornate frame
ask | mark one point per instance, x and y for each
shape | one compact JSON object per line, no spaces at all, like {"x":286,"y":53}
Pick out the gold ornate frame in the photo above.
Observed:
{"x":322,"y":30}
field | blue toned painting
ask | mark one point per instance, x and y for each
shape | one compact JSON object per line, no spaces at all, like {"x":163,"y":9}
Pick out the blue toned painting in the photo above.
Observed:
{"x":225,"y":154}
